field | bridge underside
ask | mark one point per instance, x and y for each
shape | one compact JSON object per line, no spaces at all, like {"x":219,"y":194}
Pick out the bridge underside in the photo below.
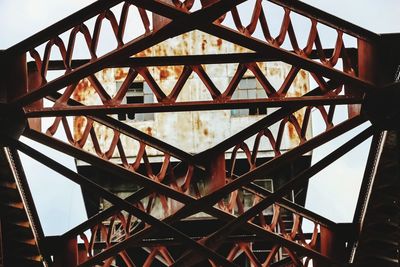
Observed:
{"x":204,"y":219}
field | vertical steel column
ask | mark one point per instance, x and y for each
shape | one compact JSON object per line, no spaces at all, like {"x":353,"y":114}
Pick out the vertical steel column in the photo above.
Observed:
{"x":333,"y":242}
{"x":378,"y":199}
{"x":217,"y":172}
{"x":367,"y":69}
{"x":327,"y":242}
{"x":14,"y":76}
{"x":368,"y":61}
{"x":3,"y":89}
{"x":13,"y":83}
{"x":16,"y":81}
{"x":1,"y":245}
{"x":34,"y":82}
{"x":67,"y":253}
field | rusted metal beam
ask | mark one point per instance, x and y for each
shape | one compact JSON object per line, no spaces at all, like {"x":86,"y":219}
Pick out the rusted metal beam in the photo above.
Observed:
{"x":205,"y":203}
{"x":287,"y":56}
{"x":184,"y":21}
{"x":377,"y":242}
{"x":189,"y":201}
{"x":178,"y":26}
{"x":105,"y":214}
{"x":256,"y":189}
{"x":259,"y":233}
{"x":107,"y":166}
{"x":258,"y":126}
{"x":265,"y":48}
{"x":215,"y":239}
{"x":291,"y":206}
{"x":184,"y":60}
{"x":143,"y":193}
{"x":371,"y":166}
{"x":98,"y":190}
{"x":136,"y":134}
{"x":328,"y":19}
{"x":66,"y":253}
{"x":17,"y":169}
{"x":155,"y":241}
{"x":269,"y":166}
{"x":61,"y":26}
{"x":95,"y":110}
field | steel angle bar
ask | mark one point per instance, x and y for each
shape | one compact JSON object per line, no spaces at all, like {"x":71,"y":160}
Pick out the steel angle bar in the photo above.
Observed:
{"x":154,"y":186}
{"x":184,"y":60}
{"x":270,"y":166}
{"x":191,"y":106}
{"x":287,"y":56}
{"x":259,"y":125}
{"x":136,"y":134}
{"x":115,"y":200}
{"x":214,"y":240}
{"x":176,"y":27}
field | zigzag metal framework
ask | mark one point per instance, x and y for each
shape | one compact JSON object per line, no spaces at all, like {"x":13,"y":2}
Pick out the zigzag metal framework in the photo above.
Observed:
{"x":342,"y":77}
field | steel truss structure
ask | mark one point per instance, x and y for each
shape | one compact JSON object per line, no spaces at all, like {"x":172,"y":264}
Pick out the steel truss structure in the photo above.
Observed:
{"x":360,"y":78}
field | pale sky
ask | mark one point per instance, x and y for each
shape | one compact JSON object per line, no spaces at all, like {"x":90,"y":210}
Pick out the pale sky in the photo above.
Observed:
{"x":334,"y":188}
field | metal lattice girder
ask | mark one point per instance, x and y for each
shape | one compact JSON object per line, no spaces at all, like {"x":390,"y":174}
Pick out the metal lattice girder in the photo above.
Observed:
{"x":176,"y":27}
{"x":131,"y":222}
{"x":216,"y":196}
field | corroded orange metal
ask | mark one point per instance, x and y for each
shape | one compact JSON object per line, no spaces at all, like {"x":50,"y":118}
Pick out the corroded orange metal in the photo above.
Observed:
{"x":190,"y":152}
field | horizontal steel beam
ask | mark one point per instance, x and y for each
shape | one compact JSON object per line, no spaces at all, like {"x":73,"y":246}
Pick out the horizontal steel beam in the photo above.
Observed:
{"x":53,"y":241}
{"x":184,"y":60}
{"x":190,"y":106}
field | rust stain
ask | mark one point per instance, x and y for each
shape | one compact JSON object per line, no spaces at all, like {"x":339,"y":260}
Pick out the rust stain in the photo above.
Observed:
{"x":186,"y":45}
{"x":205,"y":131}
{"x":197,"y":124}
{"x":292,"y":132}
{"x":203,"y":45}
{"x":164,"y":73}
{"x":293,"y":135}
{"x":300,"y":84}
{"x":149,"y":131}
{"x":79,"y":126}
{"x":106,"y":135}
{"x":303,"y":74}
{"x":219,"y":42}
{"x":82,"y":93}
{"x":178,"y":70}
{"x":82,"y":90}
{"x":144,"y":53}
{"x":104,"y":76}
{"x":274,"y":71}
{"x":300,"y":116}
{"x":120,"y":74}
